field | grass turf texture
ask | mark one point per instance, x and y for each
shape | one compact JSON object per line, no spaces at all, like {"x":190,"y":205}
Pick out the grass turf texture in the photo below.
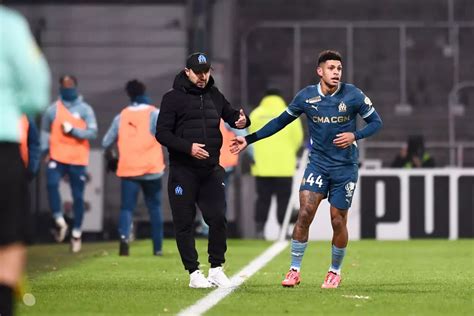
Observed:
{"x":422,"y":277}
{"x":99,"y":282}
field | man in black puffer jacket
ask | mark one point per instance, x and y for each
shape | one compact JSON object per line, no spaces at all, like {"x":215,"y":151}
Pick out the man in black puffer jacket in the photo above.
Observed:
{"x":188,"y":125}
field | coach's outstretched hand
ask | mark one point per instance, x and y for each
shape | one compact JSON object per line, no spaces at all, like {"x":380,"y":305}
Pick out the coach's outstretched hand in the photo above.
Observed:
{"x":344,"y":140}
{"x":238,"y":144}
{"x":242,"y":121}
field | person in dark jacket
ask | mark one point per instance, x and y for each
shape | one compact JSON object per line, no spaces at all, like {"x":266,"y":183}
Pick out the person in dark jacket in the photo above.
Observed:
{"x":414,"y":155}
{"x":188,"y":125}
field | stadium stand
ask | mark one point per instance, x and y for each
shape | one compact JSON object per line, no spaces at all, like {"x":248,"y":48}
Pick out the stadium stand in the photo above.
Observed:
{"x":376,"y":67}
{"x":105,"y":45}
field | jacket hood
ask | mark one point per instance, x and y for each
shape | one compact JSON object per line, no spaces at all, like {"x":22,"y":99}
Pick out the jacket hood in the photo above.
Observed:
{"x":182,"y":83}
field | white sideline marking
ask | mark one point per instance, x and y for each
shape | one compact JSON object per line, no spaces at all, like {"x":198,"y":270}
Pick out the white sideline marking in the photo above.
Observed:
{"x":360,"y":297}
{"x":218,"y":294}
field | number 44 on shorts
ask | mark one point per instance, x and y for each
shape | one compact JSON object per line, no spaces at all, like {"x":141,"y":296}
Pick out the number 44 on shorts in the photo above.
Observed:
{"x":311,"y":181}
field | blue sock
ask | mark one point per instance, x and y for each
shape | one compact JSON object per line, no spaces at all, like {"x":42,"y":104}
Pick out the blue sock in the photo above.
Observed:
{"x":337,"y":257}
{"x":297,"y":252}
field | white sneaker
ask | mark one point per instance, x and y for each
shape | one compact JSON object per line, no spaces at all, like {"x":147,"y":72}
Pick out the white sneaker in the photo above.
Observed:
{"x":76,"y":241}
{"x":61,"y":231}
{"x":218,"y":277}
{"x":76,"y":244}
{"x":197,"y":280}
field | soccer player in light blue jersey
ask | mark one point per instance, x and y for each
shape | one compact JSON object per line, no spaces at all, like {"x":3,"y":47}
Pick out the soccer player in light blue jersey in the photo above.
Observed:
{"x":25,"y":81}
{"x":331,"y":108}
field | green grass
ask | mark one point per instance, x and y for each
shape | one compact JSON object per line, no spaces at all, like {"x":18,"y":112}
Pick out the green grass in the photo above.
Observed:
{"x":399,"y":278}
{"x":99,"y":282}
{"x":431,"y":277}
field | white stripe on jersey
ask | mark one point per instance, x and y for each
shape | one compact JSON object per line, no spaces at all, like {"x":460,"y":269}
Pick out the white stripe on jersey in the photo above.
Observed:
{"x":291,"y":113}
{"x":368,"y":113}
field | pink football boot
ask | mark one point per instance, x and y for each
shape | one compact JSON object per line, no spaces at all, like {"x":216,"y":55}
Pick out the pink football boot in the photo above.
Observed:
{"x":332,"y":281}
{"x":292,"y":278}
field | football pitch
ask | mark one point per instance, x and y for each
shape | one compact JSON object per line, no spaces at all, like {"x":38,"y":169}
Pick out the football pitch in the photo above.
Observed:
{"x":418,"y":277}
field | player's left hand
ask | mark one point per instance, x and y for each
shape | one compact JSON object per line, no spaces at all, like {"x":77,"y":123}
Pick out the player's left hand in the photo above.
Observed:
{"x":344,"y":140}
{"x":242,"y":121}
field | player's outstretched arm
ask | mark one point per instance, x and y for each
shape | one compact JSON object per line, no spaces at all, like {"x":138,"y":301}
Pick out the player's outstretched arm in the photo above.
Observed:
{"x":271,"y":127}
{"x":239,"y":143}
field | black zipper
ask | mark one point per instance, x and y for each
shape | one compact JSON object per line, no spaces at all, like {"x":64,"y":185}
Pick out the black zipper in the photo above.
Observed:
{"x":203,"y":120}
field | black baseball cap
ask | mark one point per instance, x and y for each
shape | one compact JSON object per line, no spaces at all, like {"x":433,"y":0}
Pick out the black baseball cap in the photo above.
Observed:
{"x":198,"y":62}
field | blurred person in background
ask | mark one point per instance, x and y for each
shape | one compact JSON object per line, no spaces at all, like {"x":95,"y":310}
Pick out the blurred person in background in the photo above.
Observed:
{"x":273,"y":176}
{"x":30,"y":148}
{"x":413,"y":155}
{"x":140,"y":163}
{"x":24,"y":89}
{"x":188,"y":125}
{"x":66,"y":128}
{"x":229,"y":162}
{"x":30,"y":151}
{"x":331,"y":107}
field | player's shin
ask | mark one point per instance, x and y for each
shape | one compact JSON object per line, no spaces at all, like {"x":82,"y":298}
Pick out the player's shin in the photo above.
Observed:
{"x":297,"y":252}
{"x":337,"y":257}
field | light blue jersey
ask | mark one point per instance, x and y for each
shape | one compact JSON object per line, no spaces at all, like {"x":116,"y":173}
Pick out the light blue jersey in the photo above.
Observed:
{"x":24,"y":74}
{"x":328,"y":116}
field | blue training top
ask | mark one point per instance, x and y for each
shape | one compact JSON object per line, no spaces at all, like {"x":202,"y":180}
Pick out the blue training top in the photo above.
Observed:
{"x":328,"y":115}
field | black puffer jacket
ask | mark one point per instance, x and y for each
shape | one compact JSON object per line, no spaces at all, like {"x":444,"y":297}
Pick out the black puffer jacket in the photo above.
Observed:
{"x":189,"y":114}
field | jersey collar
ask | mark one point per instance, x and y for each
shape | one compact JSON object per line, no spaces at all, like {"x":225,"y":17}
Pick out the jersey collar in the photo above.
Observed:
{"x":333,"y":94}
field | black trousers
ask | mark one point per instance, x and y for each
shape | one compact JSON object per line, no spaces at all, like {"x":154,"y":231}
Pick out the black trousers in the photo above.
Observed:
{"x":187,"y":187}
{"x":15,"y":218}
{"x":266,"y":187}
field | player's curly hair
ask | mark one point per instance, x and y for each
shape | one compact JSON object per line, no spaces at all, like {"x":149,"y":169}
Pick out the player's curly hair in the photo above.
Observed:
{"x":326,"y":55}
{"x":135,"y":88}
